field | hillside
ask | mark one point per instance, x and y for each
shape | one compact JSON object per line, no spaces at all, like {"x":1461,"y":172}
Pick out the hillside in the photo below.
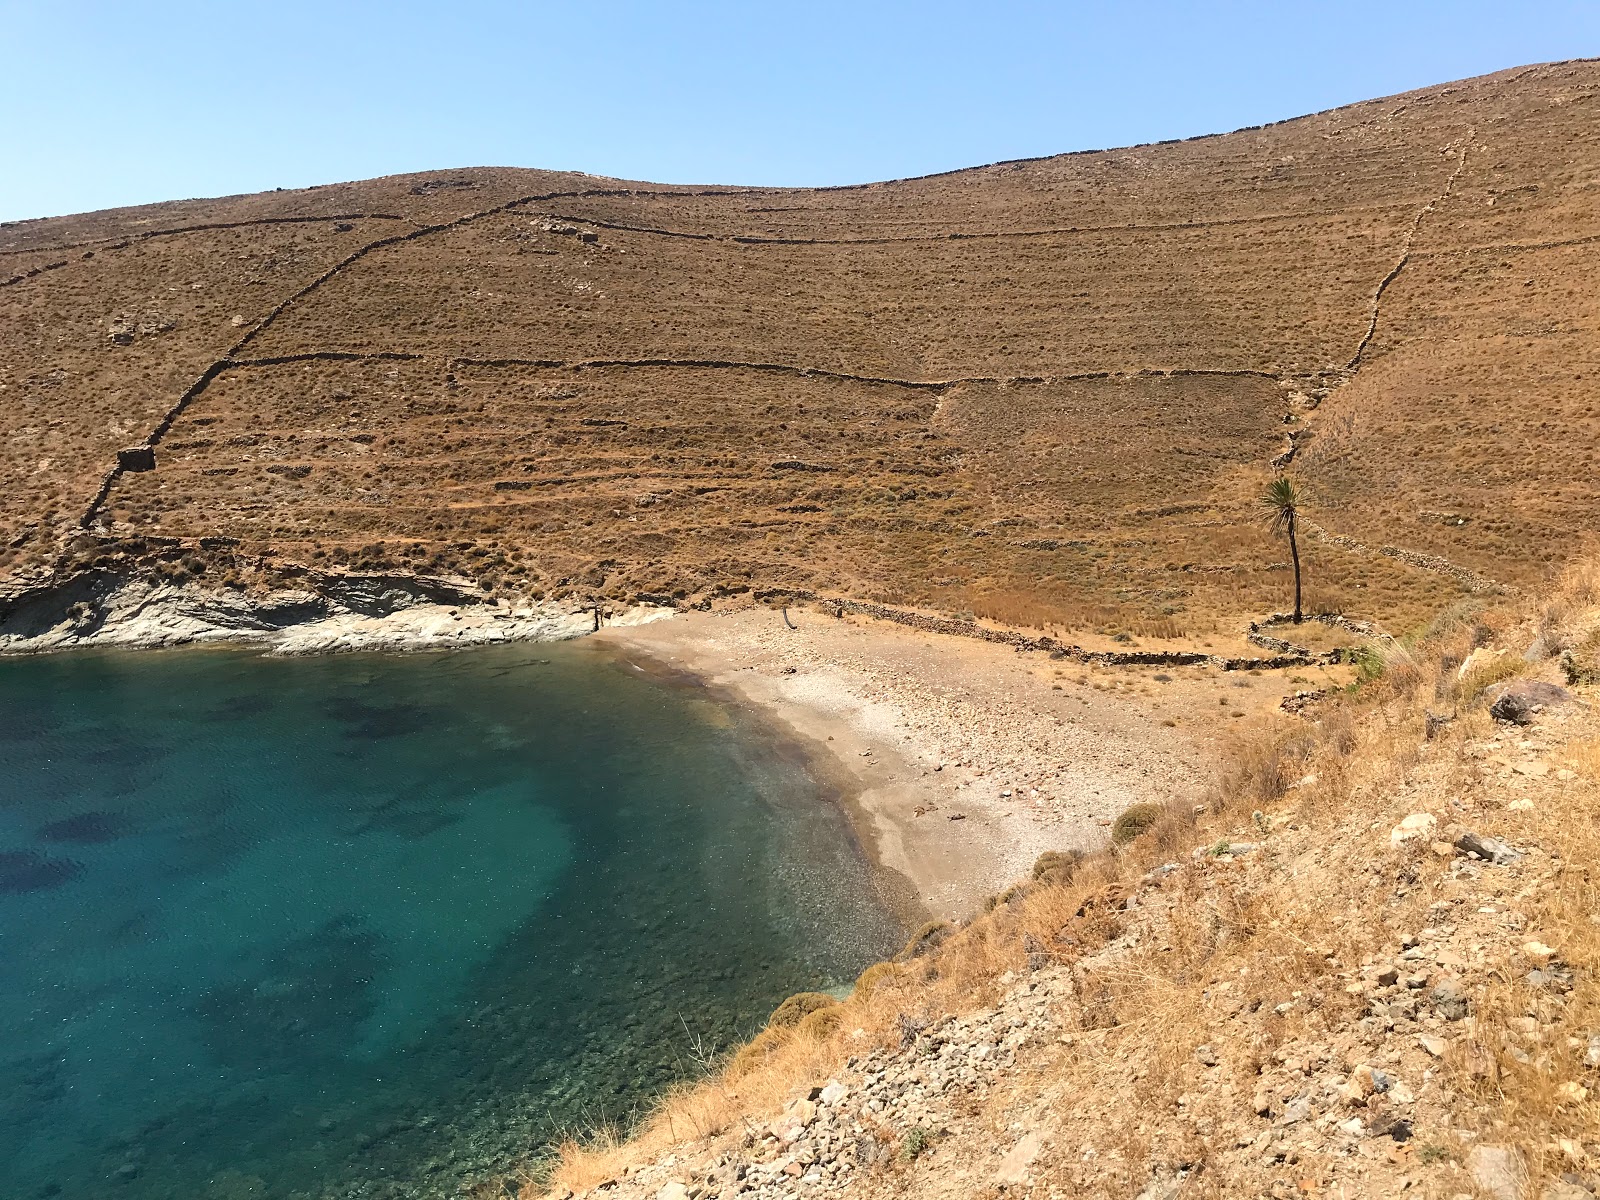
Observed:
{"x":1045,"y":391}
{"x":1364,"y":966}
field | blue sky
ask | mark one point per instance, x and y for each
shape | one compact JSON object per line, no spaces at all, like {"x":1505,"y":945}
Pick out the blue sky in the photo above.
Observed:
{"x":105,"y":104}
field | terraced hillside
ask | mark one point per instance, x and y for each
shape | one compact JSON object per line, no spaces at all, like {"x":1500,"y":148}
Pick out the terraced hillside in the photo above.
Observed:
{"x":1044,"y":391}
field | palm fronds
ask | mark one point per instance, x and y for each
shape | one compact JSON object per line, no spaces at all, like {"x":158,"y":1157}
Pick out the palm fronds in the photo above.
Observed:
{"x":1281,"y":501}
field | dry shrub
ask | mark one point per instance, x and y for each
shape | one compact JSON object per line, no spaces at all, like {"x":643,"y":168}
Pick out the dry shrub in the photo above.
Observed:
{"x":924,"y":940}
{"x":1056,"y":866}
{"x":820,"y":1023}
{"x":1401,"y":669}
{"x":1586,"y":758}
{"x":1487,"y":674}
{"x":1580,"y":583}
{"x":877,"y":975}
{"x":1551,"y":626}
{"x":1133,"y":821}
{"x":797,"y":1008}
{"x":1258,"y":764}
{"x":757,"y":1052}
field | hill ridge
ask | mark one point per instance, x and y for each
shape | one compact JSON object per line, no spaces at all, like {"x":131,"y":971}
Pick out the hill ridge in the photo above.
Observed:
{"x":1191,"y":316}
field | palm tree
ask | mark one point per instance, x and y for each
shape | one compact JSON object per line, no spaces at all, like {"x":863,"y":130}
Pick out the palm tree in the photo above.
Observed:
{"x":1282,"y":502}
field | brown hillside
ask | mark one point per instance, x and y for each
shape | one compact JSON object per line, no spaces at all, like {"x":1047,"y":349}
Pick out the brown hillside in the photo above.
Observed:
{"x":1044,"y":391}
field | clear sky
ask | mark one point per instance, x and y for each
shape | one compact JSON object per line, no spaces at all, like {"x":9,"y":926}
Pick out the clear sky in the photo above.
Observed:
{"x":111,"y":102}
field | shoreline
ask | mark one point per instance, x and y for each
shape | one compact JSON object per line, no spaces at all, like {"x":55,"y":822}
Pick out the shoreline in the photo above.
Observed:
{"x":827,"y":767}
{"x":959,"y":762}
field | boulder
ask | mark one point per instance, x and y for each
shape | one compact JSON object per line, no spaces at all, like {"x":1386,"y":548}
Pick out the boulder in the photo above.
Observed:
{"x":1449,"y":1001}
{"x":1519,"y":702}
{"x":1481,"y":656}
{"x":137,"y":458}
{"x":1490,"y":849}
{"x":1417,"y":825}
{"x":1499,"y":1171}
{"x":1013,"y":1169}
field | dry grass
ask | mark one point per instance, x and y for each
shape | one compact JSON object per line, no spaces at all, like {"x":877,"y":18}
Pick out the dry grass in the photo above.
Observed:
{"x":1585,"y":757}
{"x":1525,"y":1060}
{"x":1229,"y":932}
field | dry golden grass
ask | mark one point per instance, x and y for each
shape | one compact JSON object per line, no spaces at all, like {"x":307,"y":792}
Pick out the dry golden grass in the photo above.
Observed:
{"x":1270,"y":938}
{"x":1585,"y":758}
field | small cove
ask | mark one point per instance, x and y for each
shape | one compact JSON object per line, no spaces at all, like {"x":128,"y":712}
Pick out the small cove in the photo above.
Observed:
{"x":383,"y":925}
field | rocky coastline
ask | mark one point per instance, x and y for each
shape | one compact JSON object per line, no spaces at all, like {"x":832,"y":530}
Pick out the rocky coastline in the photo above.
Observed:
{"x":327,"y":613}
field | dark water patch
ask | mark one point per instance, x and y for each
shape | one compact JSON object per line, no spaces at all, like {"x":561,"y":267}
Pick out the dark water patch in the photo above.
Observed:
{"x":408,"y":822}
{"x":140,"y":927}
{"x":119,"y":756}
{"x":308,"y":999}
{"x":241,"y":708}
{"x":29,"y":871}
{"x":372,"y":926}
{"x":367,"y":722}
{"x":86,"y":829}
{"x":24,"y":724}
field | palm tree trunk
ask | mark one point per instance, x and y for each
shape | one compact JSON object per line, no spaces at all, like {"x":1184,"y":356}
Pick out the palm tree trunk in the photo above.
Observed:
{"x":1294,"y":553}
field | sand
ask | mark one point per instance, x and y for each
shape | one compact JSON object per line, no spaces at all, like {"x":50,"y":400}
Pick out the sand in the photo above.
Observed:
{"x":959,"y":761}
{"x":963,"y":761}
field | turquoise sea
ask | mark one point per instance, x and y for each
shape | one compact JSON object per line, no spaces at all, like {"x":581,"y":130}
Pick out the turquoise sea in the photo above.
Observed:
{"x":383,"y":926}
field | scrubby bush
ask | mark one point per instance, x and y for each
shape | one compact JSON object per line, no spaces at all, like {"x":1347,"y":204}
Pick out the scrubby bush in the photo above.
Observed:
{"x":819,"y":1024}
{"x":1011,"y":895}
{"x":755,"y":1053}
{"x":1259,"y":766}
{"x":797,"y":1007}
{"x":1581,"y":663}
{"x":1135,"y":820}
{"x":1056,"y":866}
{"x":1485,"y":674}
{"x":917,"y":1140}
{"x":875,"y":977}
{"x":924,"y":940}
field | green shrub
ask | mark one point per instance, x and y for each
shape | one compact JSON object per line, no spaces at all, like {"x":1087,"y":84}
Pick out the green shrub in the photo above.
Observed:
{"x":918,"y":1139}
{"x":1140,"y":818}
{"x":1368,"y":663}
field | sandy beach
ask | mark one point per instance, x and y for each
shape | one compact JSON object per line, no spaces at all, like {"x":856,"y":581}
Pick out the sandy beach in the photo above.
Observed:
{"x":962,"y":761}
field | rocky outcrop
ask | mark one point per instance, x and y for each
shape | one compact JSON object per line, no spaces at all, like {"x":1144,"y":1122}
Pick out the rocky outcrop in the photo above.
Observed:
{"x":1520,"y":702}
{"x":330,"y":613}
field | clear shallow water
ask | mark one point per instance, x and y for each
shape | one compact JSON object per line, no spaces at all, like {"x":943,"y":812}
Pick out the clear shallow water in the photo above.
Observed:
{"x":382,"y":926}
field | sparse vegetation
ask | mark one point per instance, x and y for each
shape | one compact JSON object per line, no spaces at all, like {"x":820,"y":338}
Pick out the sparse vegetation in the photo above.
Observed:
{"x":798,"y":1007}
{"x":1262,"y":960}
{"x":1134,"y":821}
{"x":918,"y":1139}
